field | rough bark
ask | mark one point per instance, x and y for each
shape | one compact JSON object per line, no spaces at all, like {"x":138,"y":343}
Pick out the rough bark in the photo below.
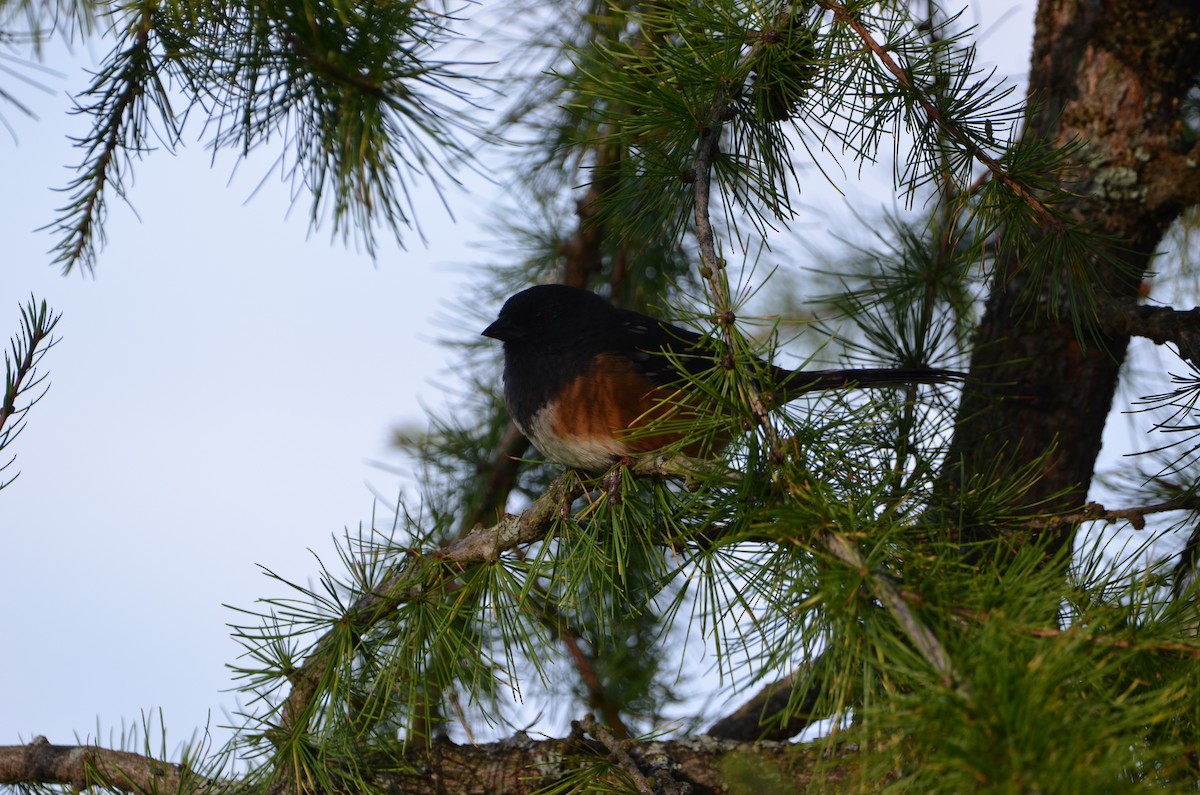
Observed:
{"x":757,"y":718}
{"x":516,"y":766}
{"x":80,"y":766}
{"x":1111,"y":74}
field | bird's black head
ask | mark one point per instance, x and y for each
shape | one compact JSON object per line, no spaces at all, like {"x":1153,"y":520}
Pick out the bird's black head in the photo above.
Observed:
{"x":547,"y":315}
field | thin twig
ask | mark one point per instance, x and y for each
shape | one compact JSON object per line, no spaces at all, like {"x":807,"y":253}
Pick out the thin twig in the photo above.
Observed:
{"x":618,"y":753}
{"x":926,"y":643}
{"x":998,"y":171}
{"x":700,"y":173}
{"x":1136,"y":516}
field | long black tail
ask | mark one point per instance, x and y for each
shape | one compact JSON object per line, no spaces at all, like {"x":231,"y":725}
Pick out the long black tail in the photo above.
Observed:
{"x":802,"y":381}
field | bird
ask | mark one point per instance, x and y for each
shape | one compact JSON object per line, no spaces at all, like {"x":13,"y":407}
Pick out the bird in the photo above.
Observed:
{"x":591,"y":384}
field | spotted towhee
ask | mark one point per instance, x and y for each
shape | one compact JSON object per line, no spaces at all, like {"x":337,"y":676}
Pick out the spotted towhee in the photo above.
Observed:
{"x":581,"y":377}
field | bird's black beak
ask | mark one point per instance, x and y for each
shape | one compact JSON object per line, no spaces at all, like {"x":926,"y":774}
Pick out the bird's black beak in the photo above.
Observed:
{"x":503,"y":329}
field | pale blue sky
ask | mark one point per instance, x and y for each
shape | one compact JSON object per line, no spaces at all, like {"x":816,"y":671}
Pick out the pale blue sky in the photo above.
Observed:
{"x":221,"y":384}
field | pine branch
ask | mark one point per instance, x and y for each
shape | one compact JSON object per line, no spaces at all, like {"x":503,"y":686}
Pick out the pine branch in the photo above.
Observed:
{"x":1159,"y":324}
{"x":478,"y":546}
{"x":755,"y":719}
{"x":82,"y":767}
{"x":884,"y":588}
{"x":1136,"y":516}
{"x":364,"y":105}
{"x":120,"y":130}
{"x":21,"y":377}
{"x":949,"y":126}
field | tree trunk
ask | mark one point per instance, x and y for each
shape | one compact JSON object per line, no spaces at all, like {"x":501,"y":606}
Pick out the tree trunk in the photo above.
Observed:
{"x":1112,"y":75}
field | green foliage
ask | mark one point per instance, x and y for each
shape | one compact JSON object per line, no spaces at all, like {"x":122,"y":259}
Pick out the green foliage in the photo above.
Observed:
{"x":952,"y":644}
{"x":1098,"y":705}
{"x":129,"y":106}
{"x":31,"y":22}
{"x":354,"y":91}
{"x":814,"y":542}
{"x":23,"y":384}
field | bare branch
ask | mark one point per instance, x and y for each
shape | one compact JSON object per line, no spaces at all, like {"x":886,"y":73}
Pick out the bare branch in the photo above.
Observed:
{"x":83,"y":766}
{"x":1159,"y":324}
{"x":755,"y":720}
{"x":518,"y":765}
{"x":1136,"y":516}
{"x":618,"y":753}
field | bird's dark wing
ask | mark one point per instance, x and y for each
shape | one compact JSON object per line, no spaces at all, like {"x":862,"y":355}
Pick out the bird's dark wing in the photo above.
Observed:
{"x":661,"y":350}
